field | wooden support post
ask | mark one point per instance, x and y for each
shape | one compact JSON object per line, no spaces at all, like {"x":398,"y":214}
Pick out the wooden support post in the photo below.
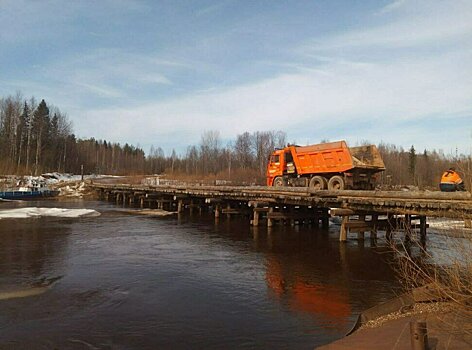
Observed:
{"x":217,"y":210}
{"x":388,"y":230}
{"x":373,"y":231}
{"x":408,"y":220}
{"x":423,"y":228}
{"x":292,"y":212}
{"x":325,"y":219}
{"x":316,"y":219}
{"x":131,"y":200}
{"x":407,"y":227}
{"x":419,"y":335}
{"x":180,"y":206}
{"x":141,"y":202}
{"x":360,"y":234}
{"x":117,"y":198}
{"x":191,"y":207}
{"x":124,"y":199}
{"x":343,"y":231}
{"x":270,"y":221}
{"x":228,"y":206}
{"x":255,"y":220}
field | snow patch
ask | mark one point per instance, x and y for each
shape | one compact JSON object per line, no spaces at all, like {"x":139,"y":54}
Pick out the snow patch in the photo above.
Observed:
{"x":34,"y":212}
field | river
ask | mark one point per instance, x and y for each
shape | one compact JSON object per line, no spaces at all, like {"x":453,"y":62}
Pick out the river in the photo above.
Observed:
{"x":119,"y":281}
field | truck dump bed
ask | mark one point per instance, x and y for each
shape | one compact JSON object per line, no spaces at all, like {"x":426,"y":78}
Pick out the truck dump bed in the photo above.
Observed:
{"x":336,"y":157}
{"x":367,"y":157}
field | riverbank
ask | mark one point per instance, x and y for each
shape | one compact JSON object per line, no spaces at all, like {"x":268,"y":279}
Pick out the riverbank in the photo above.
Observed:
{"x":68,"y":185}
{"x":447,"y":328}
{"x":444,"y":332}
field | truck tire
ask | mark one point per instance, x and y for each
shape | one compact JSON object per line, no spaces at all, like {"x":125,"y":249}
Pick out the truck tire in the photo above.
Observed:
{"x":318,"y":183}
{"x":336,"y":183}
{"x":278,"y":182}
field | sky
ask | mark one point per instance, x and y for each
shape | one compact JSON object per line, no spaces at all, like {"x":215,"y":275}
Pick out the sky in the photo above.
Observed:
{"x":163,"y":72}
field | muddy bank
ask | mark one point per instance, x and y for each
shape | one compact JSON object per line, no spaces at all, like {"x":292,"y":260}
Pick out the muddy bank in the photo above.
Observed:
{"x":387,"y":325}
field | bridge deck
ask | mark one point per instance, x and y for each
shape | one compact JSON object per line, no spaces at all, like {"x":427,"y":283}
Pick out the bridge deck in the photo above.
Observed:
{"x":437,"y":204}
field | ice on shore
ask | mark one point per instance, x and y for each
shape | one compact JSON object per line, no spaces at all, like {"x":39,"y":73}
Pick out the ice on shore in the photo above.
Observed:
{"x":34,"y":212}
{"x":69,"y":185}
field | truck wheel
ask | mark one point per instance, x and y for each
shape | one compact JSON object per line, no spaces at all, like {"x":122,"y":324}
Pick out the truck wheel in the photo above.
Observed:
{"x":278,"y":182}
{"x":336,"y":183}
{"x":318,"y":183}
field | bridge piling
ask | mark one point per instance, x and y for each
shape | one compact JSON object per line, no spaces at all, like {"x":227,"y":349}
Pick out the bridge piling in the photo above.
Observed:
{"x":343,"y":230}
{"x":325,"y":218}
{"x":360,"y":234}
{"x":298,"y":206}
{"x":423,"y":226}
{"x":373,"y":232}
{"x":217,"y":210}
{"x":270,"y":221}
{"x":388,"y":229}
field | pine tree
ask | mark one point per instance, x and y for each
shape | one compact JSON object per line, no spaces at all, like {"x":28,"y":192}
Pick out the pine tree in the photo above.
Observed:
{"x":40,"y":128}
{"x":412,"y":163}
{"x":23,"y":131}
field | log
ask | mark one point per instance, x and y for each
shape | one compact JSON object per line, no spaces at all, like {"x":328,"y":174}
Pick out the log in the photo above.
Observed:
{"x":342,"y":212}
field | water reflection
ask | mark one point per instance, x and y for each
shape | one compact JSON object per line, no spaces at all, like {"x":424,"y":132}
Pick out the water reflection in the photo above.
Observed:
{"x":28,"y":252}
{"x":327,"y":303}
{"x":186,"y":282}
{"x":309,"y":272}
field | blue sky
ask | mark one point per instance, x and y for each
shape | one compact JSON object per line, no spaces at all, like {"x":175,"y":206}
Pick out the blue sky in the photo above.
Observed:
{"x":162,"y":72}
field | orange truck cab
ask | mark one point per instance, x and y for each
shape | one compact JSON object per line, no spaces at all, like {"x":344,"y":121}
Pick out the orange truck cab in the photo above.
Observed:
{"x":332,"y":166}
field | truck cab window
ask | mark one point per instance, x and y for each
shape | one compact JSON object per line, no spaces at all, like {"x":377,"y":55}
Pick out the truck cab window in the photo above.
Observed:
{"x":275,"y":158}
{"x":288,"y":157}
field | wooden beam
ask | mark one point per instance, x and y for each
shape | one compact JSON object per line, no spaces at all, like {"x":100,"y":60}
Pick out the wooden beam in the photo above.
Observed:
{"x":344,"y":229}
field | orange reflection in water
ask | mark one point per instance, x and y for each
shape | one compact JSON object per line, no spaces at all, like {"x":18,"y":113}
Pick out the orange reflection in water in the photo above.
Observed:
{"x":328,"y":302}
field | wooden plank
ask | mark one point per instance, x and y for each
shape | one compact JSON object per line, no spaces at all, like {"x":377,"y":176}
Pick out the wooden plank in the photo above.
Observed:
{"x":438,"y":204}
{"x":277,"y":215}
{"x":261,"y":210}
{"x":367,"y":225}
{"x":234,"y":211}
{"x":342,"y":212}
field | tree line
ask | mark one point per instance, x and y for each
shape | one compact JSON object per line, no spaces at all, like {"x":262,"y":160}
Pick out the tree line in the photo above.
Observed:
{"x":37,"y":137}
{"x":244,"y":159}
{"x":421,"y":169}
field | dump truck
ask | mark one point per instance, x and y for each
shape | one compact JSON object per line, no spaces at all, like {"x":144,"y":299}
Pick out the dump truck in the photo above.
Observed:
{"x":332,"y":166}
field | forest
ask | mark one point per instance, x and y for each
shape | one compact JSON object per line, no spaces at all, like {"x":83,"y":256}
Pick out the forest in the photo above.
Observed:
{"x":37,"y":137}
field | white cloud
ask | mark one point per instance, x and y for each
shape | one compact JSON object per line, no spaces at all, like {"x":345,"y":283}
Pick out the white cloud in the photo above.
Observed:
{"x":427,"y":22}
{"x":392,"y":6}
{"x":341,"y":93}
{"x":104,"y":91}
{"x":413,"y":64}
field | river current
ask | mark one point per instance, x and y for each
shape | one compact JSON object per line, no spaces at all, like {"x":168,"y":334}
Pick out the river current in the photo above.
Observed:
{"x":121,"y":281}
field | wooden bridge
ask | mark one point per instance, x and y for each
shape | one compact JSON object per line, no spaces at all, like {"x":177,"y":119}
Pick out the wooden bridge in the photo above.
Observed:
{"x":361,"y":211}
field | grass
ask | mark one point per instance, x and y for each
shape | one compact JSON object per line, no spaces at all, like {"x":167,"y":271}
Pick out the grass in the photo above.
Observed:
{"x":445,"y":266}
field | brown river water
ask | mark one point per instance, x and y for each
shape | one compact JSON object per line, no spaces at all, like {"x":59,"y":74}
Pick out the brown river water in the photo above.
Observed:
{"x":119,"y":281}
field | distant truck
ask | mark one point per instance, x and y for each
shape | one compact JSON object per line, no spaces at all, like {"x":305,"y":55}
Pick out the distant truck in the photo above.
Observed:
{"x":332,"y":166}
